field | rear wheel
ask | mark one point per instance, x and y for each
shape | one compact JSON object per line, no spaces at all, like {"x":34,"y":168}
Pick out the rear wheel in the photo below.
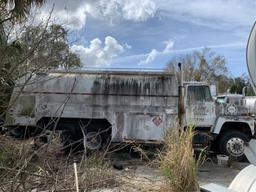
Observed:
{"x":20,"y":132}
{"x":232,"y":144}
{"x":93,"y":141}
{"x":40,"y":128}
{"x":78,"y":136}
{"x":97,"y":137}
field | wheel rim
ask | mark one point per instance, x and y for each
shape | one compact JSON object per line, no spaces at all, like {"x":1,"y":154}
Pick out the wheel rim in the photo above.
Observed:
{"x":93,"y":141}
{"x":235,"y":147}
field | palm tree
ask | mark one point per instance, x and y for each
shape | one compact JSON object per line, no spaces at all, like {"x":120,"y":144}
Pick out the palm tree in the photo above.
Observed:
{"x":11,"y":12}
{"x":14,"y":11}
{"x":17,"y":9}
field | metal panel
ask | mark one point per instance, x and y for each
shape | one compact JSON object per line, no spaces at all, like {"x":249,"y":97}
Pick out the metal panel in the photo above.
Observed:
{"x":139,"y":126}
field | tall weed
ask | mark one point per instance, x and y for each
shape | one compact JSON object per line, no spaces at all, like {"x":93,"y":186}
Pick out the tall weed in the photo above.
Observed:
{"x":177,"y":162}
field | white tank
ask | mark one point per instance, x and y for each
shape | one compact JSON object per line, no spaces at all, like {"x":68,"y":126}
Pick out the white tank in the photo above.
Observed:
{"x":250,"y":103}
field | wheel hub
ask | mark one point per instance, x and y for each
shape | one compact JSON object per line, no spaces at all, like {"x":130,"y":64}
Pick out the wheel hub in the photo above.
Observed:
{"x":93,"y":141}
{"x":235,"y":147}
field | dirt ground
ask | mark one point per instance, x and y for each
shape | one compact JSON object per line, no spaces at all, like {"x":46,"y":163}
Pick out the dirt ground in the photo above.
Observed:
{"x":213,"y":173}
{"x":140,"y":176}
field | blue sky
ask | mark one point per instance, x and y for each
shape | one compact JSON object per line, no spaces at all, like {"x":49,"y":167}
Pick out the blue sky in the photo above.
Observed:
{"x":149,"y":33}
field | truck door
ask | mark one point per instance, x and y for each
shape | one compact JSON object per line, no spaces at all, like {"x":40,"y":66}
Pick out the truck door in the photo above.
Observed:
{"x":200,"y":107}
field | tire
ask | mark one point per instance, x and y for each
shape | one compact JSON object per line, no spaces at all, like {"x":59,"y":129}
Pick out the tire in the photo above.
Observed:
{"x":41,"y":126}
{"x":105,"y":133}
{"x":232,"y":144}
{"x":19,"y":132}
{"x":93,"y":141}
{"x":67,"y":142}
{"x":101,"y":135}
{"x":70,"y":138}
{"x":73,"y":138}
{"x":72,"y":143}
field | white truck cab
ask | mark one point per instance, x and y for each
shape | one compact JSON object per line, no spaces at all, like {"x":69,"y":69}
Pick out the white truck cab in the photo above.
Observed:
{"x":199,"y":105}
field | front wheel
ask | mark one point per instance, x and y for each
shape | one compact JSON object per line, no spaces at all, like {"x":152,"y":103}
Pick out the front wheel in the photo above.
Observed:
{"x":232,"y":144}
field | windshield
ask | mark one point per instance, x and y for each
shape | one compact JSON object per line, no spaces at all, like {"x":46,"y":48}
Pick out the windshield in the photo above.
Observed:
{"x":198,"y":94}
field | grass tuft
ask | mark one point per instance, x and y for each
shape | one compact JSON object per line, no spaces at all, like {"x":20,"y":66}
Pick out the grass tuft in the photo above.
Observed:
{"x":177,"y":162}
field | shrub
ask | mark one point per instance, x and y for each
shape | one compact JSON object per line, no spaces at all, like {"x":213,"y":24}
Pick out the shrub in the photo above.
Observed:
{"x":177,"y":162}
{"x":24,"y":167}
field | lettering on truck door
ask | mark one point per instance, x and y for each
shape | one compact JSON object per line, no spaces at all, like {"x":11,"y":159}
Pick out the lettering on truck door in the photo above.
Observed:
{"x":200,"y":109}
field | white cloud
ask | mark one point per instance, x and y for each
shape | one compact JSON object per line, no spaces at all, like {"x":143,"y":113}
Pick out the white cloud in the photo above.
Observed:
{"x":153,"y":54}
{"x":169,"y":45}
{"x":141,"y":59}
{"x":73,"y":14}
{"x":127,"y":46}
{"x":97,"y":54}
{"x":217,"y":13}
{"x":139,"y":10}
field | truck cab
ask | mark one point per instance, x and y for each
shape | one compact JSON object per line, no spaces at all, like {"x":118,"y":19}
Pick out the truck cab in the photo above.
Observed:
{"x":199,"y":105}
{"x":224,"y":123}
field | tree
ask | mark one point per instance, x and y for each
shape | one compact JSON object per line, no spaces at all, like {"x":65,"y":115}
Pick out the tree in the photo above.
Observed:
{"x":53,"y":50}
{"x":239,"y":83}
{"x":9,"y":57}
{"x":39,"y":47}
{"x":223,"y":83}
{"x":204,"y":65}
{"x":12,"y":11}
{"x":16,"y":9}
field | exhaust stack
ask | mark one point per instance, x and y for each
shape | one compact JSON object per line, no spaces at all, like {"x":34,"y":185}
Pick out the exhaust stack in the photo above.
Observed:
{"x":181,"y":109}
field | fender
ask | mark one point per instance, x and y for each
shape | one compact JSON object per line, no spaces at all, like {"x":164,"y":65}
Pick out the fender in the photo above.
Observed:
{"x":233,"y":119}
